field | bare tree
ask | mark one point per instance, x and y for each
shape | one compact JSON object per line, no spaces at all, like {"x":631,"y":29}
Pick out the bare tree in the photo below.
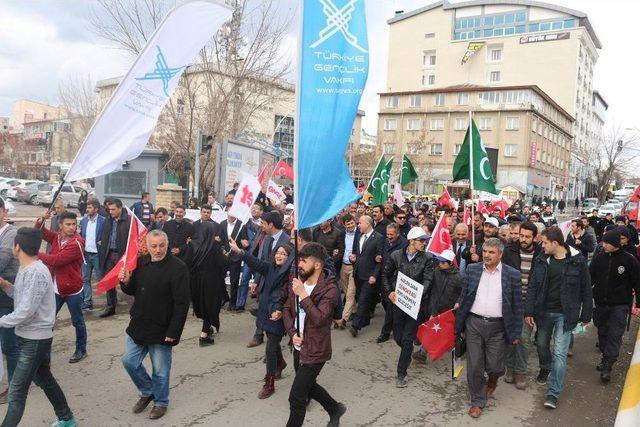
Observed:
{"x":77,"y":96}
{"x":237,"y":79}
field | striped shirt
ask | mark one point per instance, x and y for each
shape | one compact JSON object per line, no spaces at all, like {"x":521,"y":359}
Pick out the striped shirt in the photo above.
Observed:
{"x":526,"y":260}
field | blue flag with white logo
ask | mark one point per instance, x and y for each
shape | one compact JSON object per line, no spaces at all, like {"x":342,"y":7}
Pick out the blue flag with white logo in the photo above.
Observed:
{"x":332,"y":71}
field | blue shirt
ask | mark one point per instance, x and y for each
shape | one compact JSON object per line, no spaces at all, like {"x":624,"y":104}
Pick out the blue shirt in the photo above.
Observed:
{"x":113,"y":244}
{"x":348,"y":245}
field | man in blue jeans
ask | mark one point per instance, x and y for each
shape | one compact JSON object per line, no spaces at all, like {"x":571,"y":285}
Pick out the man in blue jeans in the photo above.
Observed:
{"x":160,"y":285}
{"x":33,"y":319}
{"x":8,"y":270}
{"x":91,"y":231}
{"x":559,"y":296}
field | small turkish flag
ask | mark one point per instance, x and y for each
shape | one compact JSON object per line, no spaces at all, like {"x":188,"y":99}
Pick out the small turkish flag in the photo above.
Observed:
{"x":437,"y":334}
{"x":440,"y":238}
{"x":501,"y":205}
{"x":466,"y":219}
{"x":445,"y":199}
{"x":283,"y":170}
{"x":482,"y":208}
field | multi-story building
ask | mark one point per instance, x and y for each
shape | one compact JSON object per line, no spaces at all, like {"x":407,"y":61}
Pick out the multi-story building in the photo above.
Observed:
{"x":49,"y":147}
{"x":530,"y":131}
{"x":25,"y":111}
{"x":505,"y":43}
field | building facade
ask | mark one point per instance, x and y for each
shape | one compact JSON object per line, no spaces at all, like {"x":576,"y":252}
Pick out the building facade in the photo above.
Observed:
{"x":531,"y":133}
{"x":25,"y":111}
{"x":504,"y":44}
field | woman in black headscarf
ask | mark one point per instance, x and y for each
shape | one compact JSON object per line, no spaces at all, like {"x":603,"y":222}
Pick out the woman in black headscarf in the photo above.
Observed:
{"x":82,"y":202}
{"x":207,"y":263}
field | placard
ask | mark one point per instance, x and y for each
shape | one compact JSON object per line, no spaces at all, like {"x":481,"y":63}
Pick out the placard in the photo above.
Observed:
{"x":409,"y":295}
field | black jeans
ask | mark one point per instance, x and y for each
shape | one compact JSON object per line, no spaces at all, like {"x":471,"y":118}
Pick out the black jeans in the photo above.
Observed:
{"x":34,"y":364}
{"x":365,"y":295}
{"x":611,"y":321}
{"x":387,"y":326}
{"x":234,"y":276}
{"x":112,"y":294}
{"x":273,"y":352}
{"x":305,"y":386}
{"x":404,"y":332}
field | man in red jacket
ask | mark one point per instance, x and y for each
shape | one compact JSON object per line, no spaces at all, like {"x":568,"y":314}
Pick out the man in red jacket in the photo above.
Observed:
{"x":65,"y":261}
{"x":318,"y":295}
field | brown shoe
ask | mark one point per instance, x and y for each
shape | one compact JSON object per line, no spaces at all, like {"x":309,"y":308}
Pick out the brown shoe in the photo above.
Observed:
{"x":142,"y":404}
{"x":255,"y":342}
{"x":521,"y":381}
{"x":268,"y":388}
{"x":491,"y":387}
{"x":508,"y":377}
{"x":475,"y":412}
{"x":157,"y":412}
{"x":282,"y":364}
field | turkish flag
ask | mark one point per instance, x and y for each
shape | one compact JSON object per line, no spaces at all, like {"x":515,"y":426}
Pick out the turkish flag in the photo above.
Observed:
{"x":466,"y":219}
{"x":635,"y":197}
{"x":482,"y":208}
{"x":440,"y":238}
{"x":445,"y":199}
{"x":137,"y":231}
{"x":501,"y":205}
{"x":283,"y":170}
{"x":437,"y":334}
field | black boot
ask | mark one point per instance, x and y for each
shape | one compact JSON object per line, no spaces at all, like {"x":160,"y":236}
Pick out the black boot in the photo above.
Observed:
{"x":605,"y":375}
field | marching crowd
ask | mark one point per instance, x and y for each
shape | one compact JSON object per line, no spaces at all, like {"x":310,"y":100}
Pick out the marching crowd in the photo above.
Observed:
{"x":518,"y":284}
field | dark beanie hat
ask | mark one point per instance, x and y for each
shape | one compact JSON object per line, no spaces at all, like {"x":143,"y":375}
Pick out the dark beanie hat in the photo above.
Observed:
{"x":624,"y":231}
{"x":610,"y":227}
{"x":621,"y":218}
{"x":612,"y":237}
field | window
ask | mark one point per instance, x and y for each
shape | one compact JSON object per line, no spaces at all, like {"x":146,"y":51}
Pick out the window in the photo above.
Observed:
{"x":180,"y":106}
{"x":510,"y":150}
{"x":429,"y":35}
{"x":509,"y":18}
{"x":456,"y":149}
{"x":435,"y":149}
{"x":430,"y":80}
{"x":393,"y":102}
{"x":439,"y":99}
{"x":495,"y":77}
{"x":521,"y":16}
{"x":513,"y":123}
{"x":556,"y":25}
{"x":390,"y":124}
{"x":534,"y":27}
{"x":415,"y":101}
{"x":463,"y":98}
{"x":485,"y":123}
{"x":412,"y":148}
{"x":414,"y":124}
{"x":499,"y":19}
{"x":520,"y":29}
{"x":545,"y":26}
{"x":495,"y":54}
{"x":429,"y":59}
{"x":125,"y":182}
{"x":569,"y":23}
{"x":389,"y":148}
{"x":437,"y":124}
{"x":488,"y":20}
{"x":498,"y":31}
{"x":509,"y":31}
{"x":461,"y":123}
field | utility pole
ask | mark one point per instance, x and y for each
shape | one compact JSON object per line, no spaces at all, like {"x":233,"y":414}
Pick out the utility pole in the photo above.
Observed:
{"x":196,"y":170}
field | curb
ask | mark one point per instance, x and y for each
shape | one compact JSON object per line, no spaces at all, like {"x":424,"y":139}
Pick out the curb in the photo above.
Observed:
{"x":629,"y":409}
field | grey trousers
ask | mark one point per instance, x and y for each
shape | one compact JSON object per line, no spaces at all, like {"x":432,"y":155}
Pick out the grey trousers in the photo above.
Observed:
{"x":518,"y":354}
{"x":486,"y":348}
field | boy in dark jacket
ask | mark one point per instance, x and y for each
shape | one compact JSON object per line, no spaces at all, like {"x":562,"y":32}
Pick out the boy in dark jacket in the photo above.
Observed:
{"x":309,"y":327}
{"x":615,"y":274}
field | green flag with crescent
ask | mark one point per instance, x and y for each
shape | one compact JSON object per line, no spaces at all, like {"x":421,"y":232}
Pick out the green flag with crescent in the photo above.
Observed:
{"x":408,"y":173}
{"x":478,"y":171}
{"x":379,"y":184}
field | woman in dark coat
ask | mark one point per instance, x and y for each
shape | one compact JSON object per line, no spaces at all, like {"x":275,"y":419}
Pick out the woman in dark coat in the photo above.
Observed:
{"x":206,"y":263}
{"x":269,"y":316}
{"x":82,"y":202}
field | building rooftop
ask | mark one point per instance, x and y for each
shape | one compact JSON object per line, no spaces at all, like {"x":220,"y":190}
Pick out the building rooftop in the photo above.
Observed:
{"x":583,"y":18}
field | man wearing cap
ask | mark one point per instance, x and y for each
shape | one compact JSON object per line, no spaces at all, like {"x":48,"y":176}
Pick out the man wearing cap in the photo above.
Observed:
{"x":417,"y":265}
{"x":614,"y":274}
{"x":490,"y":316}
{"x":446,"y":285}
{"x":490,"y":229}
{"x":558,"y":297}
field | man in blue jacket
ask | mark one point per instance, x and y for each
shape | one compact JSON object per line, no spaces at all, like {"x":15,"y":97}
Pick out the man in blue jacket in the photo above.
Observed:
{"x":559,"y":296}
{"x":91,"y":231}
{"x":144,"y":210}
{"x":490,"y":315}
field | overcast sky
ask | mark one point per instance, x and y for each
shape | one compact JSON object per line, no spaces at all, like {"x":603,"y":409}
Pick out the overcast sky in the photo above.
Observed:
{"x":45,"y":41}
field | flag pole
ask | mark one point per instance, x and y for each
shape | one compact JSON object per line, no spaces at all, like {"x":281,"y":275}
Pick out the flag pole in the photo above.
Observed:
{"x":471,"y":186}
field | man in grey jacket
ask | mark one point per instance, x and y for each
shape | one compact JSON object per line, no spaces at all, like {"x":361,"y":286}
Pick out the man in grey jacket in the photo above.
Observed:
{"x":8,"y":270}
{"x":33,"y":318}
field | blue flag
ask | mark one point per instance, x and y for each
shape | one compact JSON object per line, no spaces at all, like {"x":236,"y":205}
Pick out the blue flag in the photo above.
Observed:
{"x":332,"y":71}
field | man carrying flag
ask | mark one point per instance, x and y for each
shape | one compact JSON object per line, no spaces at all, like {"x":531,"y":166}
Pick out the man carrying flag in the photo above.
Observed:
{"x":415,"y":263}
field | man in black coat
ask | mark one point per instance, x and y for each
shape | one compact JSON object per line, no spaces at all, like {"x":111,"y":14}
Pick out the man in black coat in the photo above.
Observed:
{"x":231,"y":228}
{"x":579,"y":238}
{"x":179,"y":231}
{"x":380,"y":222}
{"x":160,"y":285}
{"x":366,"y":258}
{"x":113,"y":245}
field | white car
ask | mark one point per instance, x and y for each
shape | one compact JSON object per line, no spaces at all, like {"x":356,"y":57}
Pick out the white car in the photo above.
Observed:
{"x":11,"y":209}
{"x":608,"y":208}
{"x":6,"y":185}
{"x":12,"y":191}
{"x":69,"y":194}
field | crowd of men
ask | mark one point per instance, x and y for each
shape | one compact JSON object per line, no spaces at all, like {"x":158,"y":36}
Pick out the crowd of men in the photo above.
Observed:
{"x":516,"y":284}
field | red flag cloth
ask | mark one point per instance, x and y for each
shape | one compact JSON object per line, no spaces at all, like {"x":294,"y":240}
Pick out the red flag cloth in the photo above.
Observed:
{"x":137,"y":231}
{"x":440,"y":238}
{"x":635,"y":197}
{"x":437,"y":334}
{"x":501,"y":205}
{"x":283,"y":170}
{"x":466,"y":219}
{"x":445,"y":199}
{"x":482,"y":208}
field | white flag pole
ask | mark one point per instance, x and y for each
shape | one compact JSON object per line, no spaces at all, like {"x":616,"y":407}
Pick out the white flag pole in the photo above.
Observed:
{"x":473,"y":228}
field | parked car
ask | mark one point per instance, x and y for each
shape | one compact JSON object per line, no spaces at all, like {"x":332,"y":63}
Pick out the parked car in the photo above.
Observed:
{"x":608,"y":208}
{"x":69,"y":194}
{"x":12,"y":192}
{"x":590,"y":204}
{"x":11,"y":209}
{"x":6,"y":185}
{"x":29,"y":194}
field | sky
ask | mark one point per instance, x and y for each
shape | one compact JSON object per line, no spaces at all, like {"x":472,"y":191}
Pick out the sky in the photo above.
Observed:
{"x":44,"y":42}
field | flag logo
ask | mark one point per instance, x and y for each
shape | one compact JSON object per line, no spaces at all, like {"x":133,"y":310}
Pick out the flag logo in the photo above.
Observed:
{"x":338,"y":22}
{"x":162,"y":72}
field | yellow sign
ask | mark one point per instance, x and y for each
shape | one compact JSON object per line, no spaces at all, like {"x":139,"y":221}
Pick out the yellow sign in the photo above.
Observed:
{"x":471,"y":50}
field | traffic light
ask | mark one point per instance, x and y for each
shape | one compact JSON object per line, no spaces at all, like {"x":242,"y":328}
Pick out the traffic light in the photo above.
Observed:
{"x":206,"y":142}
{"x":620,"y":143}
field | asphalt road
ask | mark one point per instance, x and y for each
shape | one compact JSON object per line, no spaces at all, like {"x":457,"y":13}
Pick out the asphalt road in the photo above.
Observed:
{"x":218,"y":385}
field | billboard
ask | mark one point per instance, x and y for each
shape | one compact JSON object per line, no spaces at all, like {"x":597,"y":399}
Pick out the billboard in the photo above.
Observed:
{"x":236,"y":158}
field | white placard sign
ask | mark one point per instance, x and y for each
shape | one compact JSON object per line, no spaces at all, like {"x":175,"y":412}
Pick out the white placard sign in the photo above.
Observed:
{"x":409,"y":295}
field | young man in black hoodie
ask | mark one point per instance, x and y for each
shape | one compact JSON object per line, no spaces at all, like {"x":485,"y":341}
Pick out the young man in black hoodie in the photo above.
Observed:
{"x":614,"y":274}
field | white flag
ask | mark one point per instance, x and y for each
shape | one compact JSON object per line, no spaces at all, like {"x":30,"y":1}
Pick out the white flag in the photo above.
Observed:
{"x":245,"y":197}
{"x":398,"y":198}
{"x":275,"y":192}
{"x":122,"y":130}
{"x":565,"y":227}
